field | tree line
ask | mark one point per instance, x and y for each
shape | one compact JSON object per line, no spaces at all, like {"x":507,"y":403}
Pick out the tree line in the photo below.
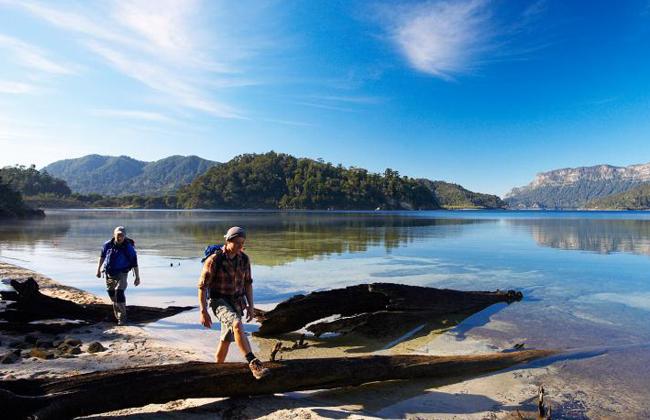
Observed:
{"x":266,"y":181}
{"x":280,"y":181}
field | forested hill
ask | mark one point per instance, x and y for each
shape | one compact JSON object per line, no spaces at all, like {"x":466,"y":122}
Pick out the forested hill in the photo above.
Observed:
{"x":275,"y":180}
{"x":452,"y":196}
{"x":30,"y":181}
{"x":637,"y":198}
{"x":122,"y":175}
{"x":11,"y":199}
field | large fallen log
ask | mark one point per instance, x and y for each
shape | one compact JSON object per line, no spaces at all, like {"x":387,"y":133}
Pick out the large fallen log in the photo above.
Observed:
{"x":375,"y":310}
{"x":111,"y":390}
{"x":30,"y":310}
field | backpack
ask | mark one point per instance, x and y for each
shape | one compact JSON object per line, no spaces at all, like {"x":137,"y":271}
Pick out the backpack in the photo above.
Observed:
{"x":108,"y":264}
{"x":209,"y":250}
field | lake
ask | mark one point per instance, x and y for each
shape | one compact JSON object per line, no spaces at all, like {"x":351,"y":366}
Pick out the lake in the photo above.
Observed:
{"x":584,"y":275}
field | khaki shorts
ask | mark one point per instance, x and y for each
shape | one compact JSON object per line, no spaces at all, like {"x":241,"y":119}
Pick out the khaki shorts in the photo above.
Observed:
{"x":227,"y":314}
{"x":117,"y":282}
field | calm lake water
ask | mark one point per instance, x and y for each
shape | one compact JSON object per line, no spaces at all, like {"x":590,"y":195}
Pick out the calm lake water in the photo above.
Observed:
{"x":584,"y":275}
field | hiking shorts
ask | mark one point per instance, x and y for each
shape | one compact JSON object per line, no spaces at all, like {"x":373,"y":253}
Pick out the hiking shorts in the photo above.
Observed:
{"x":227,"y":314}
{"x":117,"y":281}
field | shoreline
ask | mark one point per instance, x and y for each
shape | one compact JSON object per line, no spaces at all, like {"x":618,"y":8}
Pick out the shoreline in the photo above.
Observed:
{"x":336,"y":211}
{"x":125,"y":346}
{"x":493,"y":396}
{"x":137,"y":346}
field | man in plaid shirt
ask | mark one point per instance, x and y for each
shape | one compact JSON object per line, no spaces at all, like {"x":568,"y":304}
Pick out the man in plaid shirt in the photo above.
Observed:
{"x":226,"y":277}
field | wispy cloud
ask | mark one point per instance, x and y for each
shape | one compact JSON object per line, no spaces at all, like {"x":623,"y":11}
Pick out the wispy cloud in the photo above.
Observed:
{"x":164,"y":80}
{"x":445,"y":39}
{"x":131,"y":114}
{"x":359,"y":100}
{"x":288,"y":122}
{"x":601,"y":101}
{"x":645,"y":10}
{"x":32,"y":57}
{"x":17,"y":88}
{"x":339,"y":103}
{"x":12,"y":129}
{"x":159,"y":44}
{"x":329,"y":107}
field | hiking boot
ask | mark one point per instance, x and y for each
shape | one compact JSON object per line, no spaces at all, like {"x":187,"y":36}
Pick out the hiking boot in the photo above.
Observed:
{"x":257,"y":369}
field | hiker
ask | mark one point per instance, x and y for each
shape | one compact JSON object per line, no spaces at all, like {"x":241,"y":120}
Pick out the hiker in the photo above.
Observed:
{"x":120,"y":257}
{"x":226,"y":276}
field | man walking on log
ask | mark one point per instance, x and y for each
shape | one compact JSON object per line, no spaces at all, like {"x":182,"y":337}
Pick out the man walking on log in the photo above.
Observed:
{"x":120,"y":257}
{"x":226,"y":275}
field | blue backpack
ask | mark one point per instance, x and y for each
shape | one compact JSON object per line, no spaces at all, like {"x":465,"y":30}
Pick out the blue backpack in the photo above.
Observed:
{"x":209,"y":250}
{"x":113,"y":250}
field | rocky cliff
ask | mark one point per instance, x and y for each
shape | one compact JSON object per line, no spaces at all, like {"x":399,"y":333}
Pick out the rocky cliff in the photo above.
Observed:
{"x":571,"y":188}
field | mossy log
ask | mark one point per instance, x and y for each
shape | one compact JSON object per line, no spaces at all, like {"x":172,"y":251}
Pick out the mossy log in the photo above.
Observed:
{"x":30,"y":310}
{"x":372,"y":310}
{"x":100,"y":392}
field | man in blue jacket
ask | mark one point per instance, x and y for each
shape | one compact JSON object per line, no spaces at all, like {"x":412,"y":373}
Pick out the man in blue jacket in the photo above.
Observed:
{"x":118,"y":257}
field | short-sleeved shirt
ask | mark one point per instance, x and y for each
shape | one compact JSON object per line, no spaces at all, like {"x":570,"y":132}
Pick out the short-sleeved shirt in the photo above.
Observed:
{"x":226,"y":276}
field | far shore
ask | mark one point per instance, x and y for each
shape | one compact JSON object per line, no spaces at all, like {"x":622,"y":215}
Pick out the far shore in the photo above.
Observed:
{"x":45,"y":210}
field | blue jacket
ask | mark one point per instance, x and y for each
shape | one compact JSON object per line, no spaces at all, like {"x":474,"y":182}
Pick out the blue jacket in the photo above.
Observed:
{"x":118,"y":258}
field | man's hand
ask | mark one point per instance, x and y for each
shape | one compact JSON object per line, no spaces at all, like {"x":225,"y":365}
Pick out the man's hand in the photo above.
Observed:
{"x":99,"y":274}
{"x":250,"y":313}
{"x":137,"y":281}
{"x":206,"y":321}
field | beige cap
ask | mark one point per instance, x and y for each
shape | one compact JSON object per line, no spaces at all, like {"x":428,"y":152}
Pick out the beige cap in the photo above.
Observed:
{"x":234,"y":232}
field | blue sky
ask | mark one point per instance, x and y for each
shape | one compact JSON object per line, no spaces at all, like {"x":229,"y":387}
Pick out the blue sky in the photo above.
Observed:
{"x":482,"y":93}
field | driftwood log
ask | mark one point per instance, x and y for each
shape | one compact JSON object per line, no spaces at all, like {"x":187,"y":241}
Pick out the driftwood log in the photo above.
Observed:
{"x":30,"y":310}
{"x":100,"y":392}
{"x":375,"y":310}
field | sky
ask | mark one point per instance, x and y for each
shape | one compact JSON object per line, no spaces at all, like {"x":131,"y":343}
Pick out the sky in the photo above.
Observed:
{"x":481,"y":93}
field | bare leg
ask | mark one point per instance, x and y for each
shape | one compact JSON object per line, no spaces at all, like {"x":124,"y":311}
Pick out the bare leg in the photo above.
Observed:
{"x":240,"y":338}
{"x":222,"y":351}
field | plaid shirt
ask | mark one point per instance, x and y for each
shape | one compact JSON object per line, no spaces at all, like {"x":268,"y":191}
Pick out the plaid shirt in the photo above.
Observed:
{"x":229,"y":277}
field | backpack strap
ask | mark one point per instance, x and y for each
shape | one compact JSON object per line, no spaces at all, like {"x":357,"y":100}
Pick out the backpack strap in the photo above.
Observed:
{"x":219,"y":256}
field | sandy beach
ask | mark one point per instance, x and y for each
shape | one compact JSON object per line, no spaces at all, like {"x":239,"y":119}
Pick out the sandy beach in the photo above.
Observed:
{"x":492,"y":396}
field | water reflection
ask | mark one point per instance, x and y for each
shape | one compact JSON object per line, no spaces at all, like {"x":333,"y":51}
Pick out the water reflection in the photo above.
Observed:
{"x":32,"y":232}
{"x":602,"y":236}
{"x":275,"y":238}
{"x":290,"y":237}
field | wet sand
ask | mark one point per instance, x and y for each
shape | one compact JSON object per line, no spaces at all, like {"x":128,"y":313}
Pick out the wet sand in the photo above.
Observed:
{"x":492,"y":396}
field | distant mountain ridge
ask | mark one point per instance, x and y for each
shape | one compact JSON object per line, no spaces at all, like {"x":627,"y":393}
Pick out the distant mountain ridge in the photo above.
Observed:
{"x":572,"y":188}
{"x":268,"y":180}
{"x":120,"y":175}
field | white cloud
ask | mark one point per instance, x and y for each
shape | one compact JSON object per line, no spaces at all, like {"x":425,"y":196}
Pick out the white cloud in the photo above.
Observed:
{"x":17,"y":88}
{"x":32,"y":57}
{"x":289,"y":122}
{"x":325,"y":106}
{"x":164,"y":80}
{"x":448,"y":38}
{"x":360,"y":100}
{"x":164,"y":24}
{"x":13,"y":129}
{"x":131,"y":114}
{"x":160,"y":44}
